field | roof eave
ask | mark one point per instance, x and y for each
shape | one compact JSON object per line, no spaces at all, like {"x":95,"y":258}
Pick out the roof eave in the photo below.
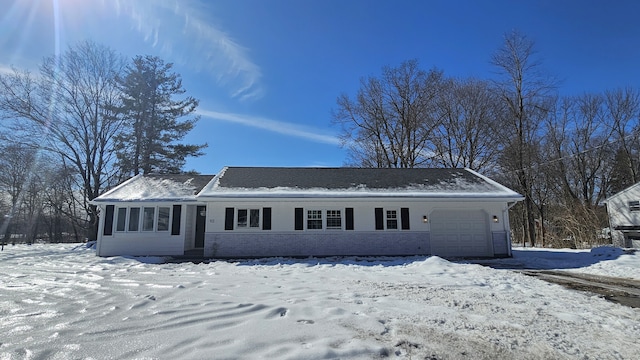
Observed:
{"x":351,"y":195}
{"x":154,"y":200}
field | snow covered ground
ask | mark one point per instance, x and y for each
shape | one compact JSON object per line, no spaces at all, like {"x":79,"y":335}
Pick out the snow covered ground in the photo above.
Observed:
{"x":63,"y":302}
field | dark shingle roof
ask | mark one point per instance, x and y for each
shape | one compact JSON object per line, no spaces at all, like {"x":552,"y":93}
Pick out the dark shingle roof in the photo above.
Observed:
{"x":340,"y":178}
{"x":352,"y":182}
{"x":310,"y":182}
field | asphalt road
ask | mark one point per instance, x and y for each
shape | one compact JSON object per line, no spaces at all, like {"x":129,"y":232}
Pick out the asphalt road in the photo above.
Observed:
{"x":619,"y":290}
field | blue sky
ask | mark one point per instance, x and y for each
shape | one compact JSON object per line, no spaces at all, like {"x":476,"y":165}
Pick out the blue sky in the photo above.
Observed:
{"x":268,"y":72}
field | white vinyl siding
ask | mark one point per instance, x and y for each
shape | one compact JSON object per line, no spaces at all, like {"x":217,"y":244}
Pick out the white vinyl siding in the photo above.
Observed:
{"x":301,"y":227}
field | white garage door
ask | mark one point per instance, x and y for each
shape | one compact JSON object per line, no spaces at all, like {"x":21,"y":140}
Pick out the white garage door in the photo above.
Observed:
{"x":460,"y":233}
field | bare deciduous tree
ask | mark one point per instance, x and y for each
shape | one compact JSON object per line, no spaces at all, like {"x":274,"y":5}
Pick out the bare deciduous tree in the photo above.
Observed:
{"x":622,"y":109}
{"x":579,"y":138}
{"x":16,"y":164}
{"x":389,"y":122}
{"x":577,"y":165}
{"x":527,"y":96}
{"x":468,"y":133}
{"x":69,"y":109}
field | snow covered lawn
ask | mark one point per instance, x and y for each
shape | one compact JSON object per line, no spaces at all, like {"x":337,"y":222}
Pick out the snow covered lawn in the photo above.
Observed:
{"x":63,"y":302}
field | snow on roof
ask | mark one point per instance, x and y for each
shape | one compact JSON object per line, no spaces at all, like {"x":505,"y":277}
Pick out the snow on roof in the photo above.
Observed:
{"x":157,"y":188}
{"x":354,"y":182}
{"x":311,"y":183}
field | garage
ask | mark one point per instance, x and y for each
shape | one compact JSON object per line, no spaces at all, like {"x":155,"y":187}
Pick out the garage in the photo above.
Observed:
{"x":460,"y":233}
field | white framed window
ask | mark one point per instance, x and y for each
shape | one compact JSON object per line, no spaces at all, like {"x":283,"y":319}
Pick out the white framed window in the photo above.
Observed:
{"x":121,"y":220}
{"x":242,"y":218}
{"x":334,"y":219}
{"x":314,"y":219}
{"x":634,"y":205}
{"x":248,"y":218}
{"x":134,"y":219}
{"x":148,"y":216}
{"x":391,"y":219}
{"x":163,"y":218}
{"x":254,"y":218}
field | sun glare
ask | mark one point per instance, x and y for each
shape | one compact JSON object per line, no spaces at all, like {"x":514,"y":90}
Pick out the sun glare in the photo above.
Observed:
{"x":174,"y":29}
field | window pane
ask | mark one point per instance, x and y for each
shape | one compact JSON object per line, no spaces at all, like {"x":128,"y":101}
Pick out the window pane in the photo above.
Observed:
{"x":254,"y":218}
{"x":175,"y":223}
{"x":314,"y":219}
{"x":122,"y":219}
{"x":134,"y":219}
{"x":163,"y":219}
{"x":242,"y":218}
{"x":266,"y":218}
{"x":348,"y":213}
{"x":392,"y":219}
{"x":147,"y":219}
{"x":299,"y":219}
{"x":334,"y":219}
{"x":108,"y":220}
{"x":228,"y":218}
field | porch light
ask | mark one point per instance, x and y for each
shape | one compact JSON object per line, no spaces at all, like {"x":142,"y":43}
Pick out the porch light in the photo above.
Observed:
{"x":425,"y":219}
{"x":495,"y":219}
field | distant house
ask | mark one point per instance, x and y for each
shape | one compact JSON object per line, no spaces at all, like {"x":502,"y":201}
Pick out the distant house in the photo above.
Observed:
{"x":624,"y":217}
{"x":263,"y":212}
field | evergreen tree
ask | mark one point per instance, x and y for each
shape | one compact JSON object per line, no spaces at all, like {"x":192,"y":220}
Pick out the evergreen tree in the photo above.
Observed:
{"x":153,"y":129}
{"x":621,"y":172}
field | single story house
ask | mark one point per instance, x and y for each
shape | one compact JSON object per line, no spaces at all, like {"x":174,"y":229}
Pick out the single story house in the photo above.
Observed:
{"x":278,"y":211}
{"x":623,"y":209}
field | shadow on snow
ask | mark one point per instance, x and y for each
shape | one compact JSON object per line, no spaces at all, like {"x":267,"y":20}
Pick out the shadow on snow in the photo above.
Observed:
{"x":547,"y":259}
{"x":523,"y":259}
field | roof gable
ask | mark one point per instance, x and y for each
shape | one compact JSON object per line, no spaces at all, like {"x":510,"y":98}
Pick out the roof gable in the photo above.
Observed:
{"x":319,"y":182}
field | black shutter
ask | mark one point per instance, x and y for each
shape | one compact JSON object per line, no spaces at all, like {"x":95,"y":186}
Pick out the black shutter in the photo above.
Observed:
{"x":266,"y":218}
{"x":349,"y":218}
{"x":379,"y":219}
{"x":175,"y":221}
{"x":108,"y":220}
{"x":228,"y":218}
{"x":299,"y":219}
{"x":404,"y":217}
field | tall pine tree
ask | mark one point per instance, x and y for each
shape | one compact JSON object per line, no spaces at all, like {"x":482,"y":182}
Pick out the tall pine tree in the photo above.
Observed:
{"x":154,"y":124}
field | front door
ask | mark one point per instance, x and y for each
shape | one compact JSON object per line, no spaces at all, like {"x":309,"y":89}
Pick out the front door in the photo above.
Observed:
{"x":201,"y":220}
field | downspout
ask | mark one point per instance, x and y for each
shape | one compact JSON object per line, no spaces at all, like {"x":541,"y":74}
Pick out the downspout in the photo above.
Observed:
{"x":505,"y":221}
{"x":101,"y":210}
